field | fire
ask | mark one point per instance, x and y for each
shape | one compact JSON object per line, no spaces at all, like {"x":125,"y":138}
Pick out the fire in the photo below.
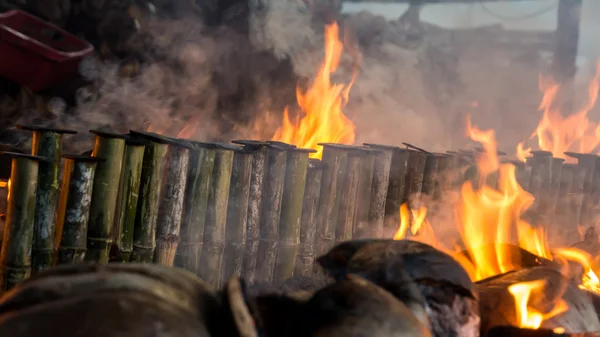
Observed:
{"x":528,"y":316}
{"x":558,"y":134}
{"x":589,"y":280}
{"x":322,"y":119}
{"x":419,"y":226}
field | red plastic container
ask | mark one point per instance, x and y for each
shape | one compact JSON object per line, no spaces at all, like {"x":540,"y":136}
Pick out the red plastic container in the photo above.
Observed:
{"x":36,"y":53}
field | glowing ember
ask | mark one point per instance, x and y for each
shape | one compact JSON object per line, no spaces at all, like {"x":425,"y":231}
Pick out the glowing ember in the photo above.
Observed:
{"x":321,"y":119}
{"x":558,"y":134}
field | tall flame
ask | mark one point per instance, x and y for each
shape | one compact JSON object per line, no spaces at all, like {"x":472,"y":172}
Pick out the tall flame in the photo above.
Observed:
{"x":321,"y":119}
{"x":558,"y":134}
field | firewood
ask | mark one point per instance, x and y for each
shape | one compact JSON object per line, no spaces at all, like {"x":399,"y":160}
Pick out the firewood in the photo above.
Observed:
{"x":497,"y":304}
{"x":356,"y":307}
{"x":442,"y":287}
{"x":519,"y":257}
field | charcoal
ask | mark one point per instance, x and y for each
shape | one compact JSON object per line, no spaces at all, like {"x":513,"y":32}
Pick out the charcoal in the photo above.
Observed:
{"x":416,"y":273}
{"x":356,"y":307}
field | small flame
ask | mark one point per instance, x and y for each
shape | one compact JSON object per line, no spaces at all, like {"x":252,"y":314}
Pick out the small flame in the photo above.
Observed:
{"x":3,"y":184}
{"x":323,"y":120}
{"x":575,"y":132}
{"x":529,"y":317}
{"x":589,"y":280}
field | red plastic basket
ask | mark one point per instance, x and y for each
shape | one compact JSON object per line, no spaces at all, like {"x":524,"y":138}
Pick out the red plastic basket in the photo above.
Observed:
{"x":36,"y":53}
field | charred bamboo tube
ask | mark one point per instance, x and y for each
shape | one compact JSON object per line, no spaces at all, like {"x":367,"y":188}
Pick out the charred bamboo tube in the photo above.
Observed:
{"x":15,"y":256}
{"x":591,"y":164}
{"x":254,"y":206}
{"x":570,"y":200}
{"x":170,"y":212}
{"x":199,"y":181}
{"x":110,"y":147}
{"x":361,"y":228}
{"x":379,"y":191}
{"x":308,"y":221}
{"x":237,"y":212}
{"x":127,"y":201}
{"x":442,"y":181}
{"x":415,"y":174}
{"x":46,"y":143}
{"x":335,"y":157}
{"x":291,"y":212}
{"x":74,"y":209}
{"x":557,"y":165}
{"x":153,"y":168}
{"x":345,"y":224}
{"x":211,"y":259}
{"x":522,"y":173}
{"x":271,"y":211}
{"x":396,"y":190}
{"x":430,"y":173}
{"x":541,"y":172}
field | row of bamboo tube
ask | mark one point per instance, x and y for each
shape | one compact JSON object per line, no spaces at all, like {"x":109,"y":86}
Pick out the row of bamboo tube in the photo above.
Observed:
{"x":262,"y":210}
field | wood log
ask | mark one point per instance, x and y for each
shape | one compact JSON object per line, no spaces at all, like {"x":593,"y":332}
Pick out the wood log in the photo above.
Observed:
{"x":428,"y":281}
{"x":497,"y":304}
{"x":356,"y":307}
{"x":519,"y":257}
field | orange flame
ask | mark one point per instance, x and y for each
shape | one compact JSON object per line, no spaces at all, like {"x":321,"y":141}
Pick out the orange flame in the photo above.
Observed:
{"x":558,"y":134}
{"x":589,"y":280}
{"x":321,"y":105}
{"x":528,"y":316}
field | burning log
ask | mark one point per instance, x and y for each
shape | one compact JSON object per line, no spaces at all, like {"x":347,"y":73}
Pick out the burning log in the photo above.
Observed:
{"x":498,"y":307}
{"x":271,"y":210}
{"x":308,"y":220}
{"x":344,"y":228}
{"x":364,"y":193}
{"x":356,"y":307}
{"x":519,"y":257}
{"x":127,"y":201}
{"x":200,"y":175}
{"x":237,"y":212}
{"x":254,"y":206}
{"x":379,"y":191}
{"x":15,"y":257}
{"x":153,"y":168}
{"x":110,"y":147}
{"x":449,"y":294}
{"x":522,"y":332}
{"x":335,"y":157}
{"x":211,"y":259}
{"x":46,"y":143}
{"x":294,"y":186}
{"x":74,"y":208}
{"x":170,"y":213}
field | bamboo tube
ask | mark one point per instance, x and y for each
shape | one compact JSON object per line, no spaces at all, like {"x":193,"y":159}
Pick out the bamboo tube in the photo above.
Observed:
{"x":271,"y":211}
{"x":211,"y":259}
{"x":396,"y":190}
{"x":127,"y":200}
{"x":557,"y":165}
{"x":348,"y":197}
{"x":254,"y":206}
{"x":335,"y":157}
{"x":74,"y":209}
{"x":591,"y":164}
{"x":569,"y":206}
{"x":381,"y":182}
{"x":153,"y":168}
{"x":46,"y":143}
{"x":237,"y":212}
{"x":362,"y":228}
{"x":443,"y":179}
{"x":539,"y":183}
{"x":291,"y":212}
{"x":170,"y":211}
{"x":200,"y":173}
{"x":110,"y":147}
{"x":308,"y":221}
{"x":430,"y":173}
{"x":15,"y":256}
{"x":415,"y":174}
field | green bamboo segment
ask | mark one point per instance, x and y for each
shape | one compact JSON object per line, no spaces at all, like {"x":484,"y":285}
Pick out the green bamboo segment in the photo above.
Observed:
{"x":153,"y":168}
{"x":15,"y":256}
{"x":254,"y":206}
{"x":127,"y":200}
{"x":363,"y":228}
{"x":168,"y":224}
{"x":335,"y":157}
{"x":291,"y":211}
{"x":211,"y":259}
{"x":308,"y":222}
{"x":109,"y":147}
{"x":271,"y":211}
{"x":199,"y":181}
{"x":237,"y":211}
{"x":75,"y":202}
{"x":345,"y":226}
{"x":46,"y":143}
